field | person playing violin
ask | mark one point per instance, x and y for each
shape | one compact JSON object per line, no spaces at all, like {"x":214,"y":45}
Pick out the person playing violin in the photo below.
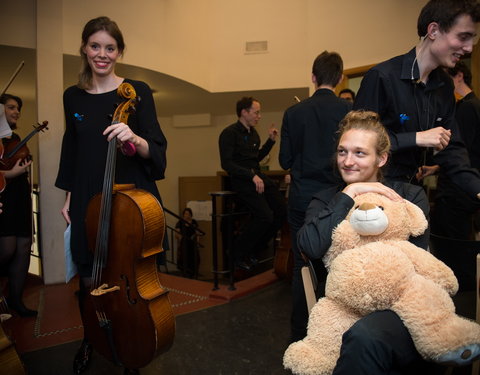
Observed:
{"x":88,"y":108}
{"x":16,"y":219}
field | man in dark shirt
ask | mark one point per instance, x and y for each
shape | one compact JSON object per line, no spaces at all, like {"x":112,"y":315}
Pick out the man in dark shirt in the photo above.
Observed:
{"x":453,"y":212}
{"x":307,"y":148}
{"x":414,"y":95}
{"x":240,"y":154}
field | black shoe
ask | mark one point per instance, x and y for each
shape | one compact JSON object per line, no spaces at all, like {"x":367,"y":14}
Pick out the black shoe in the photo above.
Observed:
{"x":21,"y":309}
{"x":82,"y":358}
{"x":243,"y":266}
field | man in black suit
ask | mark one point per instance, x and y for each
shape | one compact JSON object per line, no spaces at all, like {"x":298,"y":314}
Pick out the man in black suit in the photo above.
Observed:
{"x":307,"y":147}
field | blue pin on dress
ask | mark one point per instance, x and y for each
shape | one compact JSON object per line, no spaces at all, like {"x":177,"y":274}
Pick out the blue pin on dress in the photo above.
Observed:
{"x":78,"y":116}
{"x":403,"y":118}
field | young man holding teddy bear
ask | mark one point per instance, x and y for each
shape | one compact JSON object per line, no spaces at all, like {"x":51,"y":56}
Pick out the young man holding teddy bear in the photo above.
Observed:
{"x":415,"y":101}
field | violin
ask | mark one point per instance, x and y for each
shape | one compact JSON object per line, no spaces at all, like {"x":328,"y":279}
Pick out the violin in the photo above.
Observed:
{"x":16,"y":150}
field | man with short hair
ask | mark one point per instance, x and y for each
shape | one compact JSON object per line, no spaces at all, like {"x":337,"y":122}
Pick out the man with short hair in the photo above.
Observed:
{"x":307,"y":147}
{"x":240,"y":154}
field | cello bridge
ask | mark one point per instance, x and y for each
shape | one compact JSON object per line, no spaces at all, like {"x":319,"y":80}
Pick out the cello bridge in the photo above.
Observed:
{"x":104,"y":289}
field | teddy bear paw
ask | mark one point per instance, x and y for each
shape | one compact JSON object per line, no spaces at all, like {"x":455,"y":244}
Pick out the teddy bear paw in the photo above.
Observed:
{"x":462,"y":356}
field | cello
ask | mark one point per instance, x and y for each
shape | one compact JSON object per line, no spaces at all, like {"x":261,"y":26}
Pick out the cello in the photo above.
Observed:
{"x":128,"y":316}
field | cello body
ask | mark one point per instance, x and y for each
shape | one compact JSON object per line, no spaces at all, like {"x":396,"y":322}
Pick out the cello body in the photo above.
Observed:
{"x":138,"y":311}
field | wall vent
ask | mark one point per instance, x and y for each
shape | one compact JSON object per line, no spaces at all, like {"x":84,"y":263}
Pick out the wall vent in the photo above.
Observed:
{"x":256,"y":47}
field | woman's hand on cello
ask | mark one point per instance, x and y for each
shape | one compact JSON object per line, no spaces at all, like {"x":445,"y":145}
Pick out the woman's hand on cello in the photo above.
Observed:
{"x":124,"y":134}
{"x":358,"y":188}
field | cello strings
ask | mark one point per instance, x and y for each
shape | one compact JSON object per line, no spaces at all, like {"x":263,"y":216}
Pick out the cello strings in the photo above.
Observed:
{"x":101,"y":247}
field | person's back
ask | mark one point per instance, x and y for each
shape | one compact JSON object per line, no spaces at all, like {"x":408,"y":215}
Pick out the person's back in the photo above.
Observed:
{"x":312,"y":143}
{"x":307,"y":148}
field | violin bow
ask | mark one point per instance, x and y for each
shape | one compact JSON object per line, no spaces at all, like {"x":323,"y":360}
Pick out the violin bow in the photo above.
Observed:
{"x":20,"y":66}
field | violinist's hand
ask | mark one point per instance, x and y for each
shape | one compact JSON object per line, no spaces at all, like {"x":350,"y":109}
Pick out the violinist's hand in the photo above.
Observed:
{"x":66,"y":209}
{"x":124,"y":134}
{"x":19,"y":168}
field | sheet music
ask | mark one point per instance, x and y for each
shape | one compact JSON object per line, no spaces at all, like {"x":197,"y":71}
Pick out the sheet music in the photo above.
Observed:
{"x":5,"y":130}
{"x":202,"y":210}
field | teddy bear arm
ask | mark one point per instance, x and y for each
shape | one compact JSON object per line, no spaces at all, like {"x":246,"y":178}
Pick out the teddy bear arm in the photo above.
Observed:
{"x":430,"y":267}
{"x":344,"y":237}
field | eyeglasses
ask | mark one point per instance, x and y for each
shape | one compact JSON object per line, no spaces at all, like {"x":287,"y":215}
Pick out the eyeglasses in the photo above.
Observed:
{"x":257,"y":113}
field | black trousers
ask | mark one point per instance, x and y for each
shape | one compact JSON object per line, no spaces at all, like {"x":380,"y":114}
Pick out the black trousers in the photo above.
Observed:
{"x":451,"y":219}
{"x":380,"y":344}
{"x":268,"y":212}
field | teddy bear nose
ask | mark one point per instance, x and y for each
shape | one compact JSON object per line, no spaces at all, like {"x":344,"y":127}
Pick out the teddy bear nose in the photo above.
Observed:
{"x":366,"y":206}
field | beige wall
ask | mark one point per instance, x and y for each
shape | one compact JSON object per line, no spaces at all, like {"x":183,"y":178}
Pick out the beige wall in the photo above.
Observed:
{"x":203,"y":42}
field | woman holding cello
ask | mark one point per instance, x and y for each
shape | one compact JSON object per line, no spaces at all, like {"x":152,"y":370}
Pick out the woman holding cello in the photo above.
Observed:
{"x":16,"y":219}
{"x":88,"y":108}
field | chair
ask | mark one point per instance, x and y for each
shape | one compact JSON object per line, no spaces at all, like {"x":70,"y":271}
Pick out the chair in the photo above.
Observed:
{"x":310,"y":285}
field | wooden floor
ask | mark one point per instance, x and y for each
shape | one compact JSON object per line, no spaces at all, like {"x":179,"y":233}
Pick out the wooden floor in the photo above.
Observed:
{"x":59,"y":322}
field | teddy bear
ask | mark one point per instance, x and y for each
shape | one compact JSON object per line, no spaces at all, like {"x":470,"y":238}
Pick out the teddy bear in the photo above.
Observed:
{"x":372,"y":266}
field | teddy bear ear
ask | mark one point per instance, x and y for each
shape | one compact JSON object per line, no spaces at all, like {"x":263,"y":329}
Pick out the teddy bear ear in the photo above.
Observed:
{"x":418,"y":223}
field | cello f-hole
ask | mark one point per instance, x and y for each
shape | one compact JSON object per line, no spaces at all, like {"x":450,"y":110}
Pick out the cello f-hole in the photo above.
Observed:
{"x":127,"y":290}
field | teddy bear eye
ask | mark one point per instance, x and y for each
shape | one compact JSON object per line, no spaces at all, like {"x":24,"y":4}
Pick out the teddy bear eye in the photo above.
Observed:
{"x":381,"y":207}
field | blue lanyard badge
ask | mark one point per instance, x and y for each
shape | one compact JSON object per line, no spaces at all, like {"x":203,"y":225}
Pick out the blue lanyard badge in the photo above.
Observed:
{"x":403,"y":118}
